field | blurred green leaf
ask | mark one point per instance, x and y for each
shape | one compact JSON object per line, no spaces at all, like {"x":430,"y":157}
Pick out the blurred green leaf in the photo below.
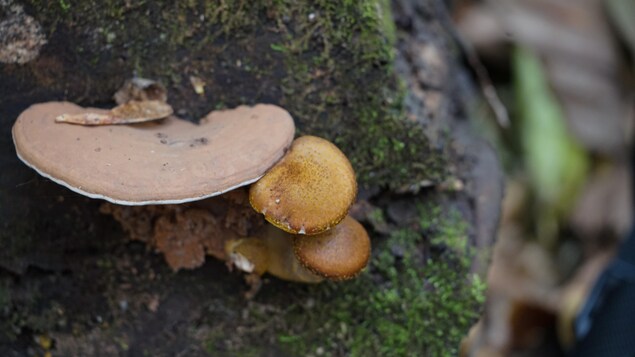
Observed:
{"x":555,"y":162}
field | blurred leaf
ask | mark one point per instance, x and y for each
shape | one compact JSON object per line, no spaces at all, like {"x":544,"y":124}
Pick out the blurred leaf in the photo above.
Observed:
{"x":556,"y":163}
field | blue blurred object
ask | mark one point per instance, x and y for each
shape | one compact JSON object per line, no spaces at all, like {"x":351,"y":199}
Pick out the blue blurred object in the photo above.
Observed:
{"x":605,"y":325}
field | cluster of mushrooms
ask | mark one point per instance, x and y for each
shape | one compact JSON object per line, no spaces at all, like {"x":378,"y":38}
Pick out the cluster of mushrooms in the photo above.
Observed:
{"x":183,"y":187}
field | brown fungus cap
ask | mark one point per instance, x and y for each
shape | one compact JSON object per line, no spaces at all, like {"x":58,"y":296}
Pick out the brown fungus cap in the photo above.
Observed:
{"x":337,"y":254}
{"x":309,"y":190}
{"x":171,"y":161}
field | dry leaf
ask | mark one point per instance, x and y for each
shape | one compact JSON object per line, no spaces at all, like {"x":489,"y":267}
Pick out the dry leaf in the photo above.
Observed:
{"x":128,"y":113}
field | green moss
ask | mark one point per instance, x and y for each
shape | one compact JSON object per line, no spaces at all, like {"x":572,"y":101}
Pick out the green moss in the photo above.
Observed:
{"x":328,"y":62}
{"x":347,"y":90}
{"x":26,"y":310}
{"x":13,"y":316}
{"x":376,"y":218}
{"x":405,"y":304}
{"x":448,"y":230}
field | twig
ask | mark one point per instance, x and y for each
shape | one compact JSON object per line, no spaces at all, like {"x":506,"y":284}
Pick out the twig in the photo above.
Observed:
{"x":479,"y":70}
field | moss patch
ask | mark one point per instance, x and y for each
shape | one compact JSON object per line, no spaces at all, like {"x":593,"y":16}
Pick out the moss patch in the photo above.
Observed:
{"x":421,"y":304}
{"x":329,"y":63}
{"x":340,"y":84}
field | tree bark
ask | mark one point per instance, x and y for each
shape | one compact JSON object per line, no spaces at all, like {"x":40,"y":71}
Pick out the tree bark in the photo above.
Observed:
{"x":385,"y":82}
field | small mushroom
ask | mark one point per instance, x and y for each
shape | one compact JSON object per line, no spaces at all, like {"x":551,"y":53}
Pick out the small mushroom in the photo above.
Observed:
{"x":270,"y":252}
{"x":172,"y":161}
{"x":309,"y":191}
{"x":337,"y":254}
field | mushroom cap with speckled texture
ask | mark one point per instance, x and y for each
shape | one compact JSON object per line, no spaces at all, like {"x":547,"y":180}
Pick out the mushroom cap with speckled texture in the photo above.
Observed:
{"x":337,"y":254}
{"x":169,"y":161}
{"x":309,"y":191}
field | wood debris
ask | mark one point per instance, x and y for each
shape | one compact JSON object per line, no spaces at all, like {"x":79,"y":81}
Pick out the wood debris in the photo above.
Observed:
{"x":128,"y":113}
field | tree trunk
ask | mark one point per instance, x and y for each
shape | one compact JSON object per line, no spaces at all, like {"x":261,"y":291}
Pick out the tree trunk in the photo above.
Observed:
{"x":383,"y":81}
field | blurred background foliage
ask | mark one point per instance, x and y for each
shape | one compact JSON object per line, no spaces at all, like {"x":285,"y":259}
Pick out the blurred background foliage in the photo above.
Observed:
{"x":564,"y":70}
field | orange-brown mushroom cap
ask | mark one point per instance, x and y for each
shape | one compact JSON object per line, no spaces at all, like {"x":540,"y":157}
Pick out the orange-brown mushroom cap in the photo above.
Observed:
{"x":337,"y":254}
{"x":309,"y":190}
{"x":171,"y":161}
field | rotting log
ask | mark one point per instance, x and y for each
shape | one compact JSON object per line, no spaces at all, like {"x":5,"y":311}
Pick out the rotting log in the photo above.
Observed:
{"x":383,"y":81}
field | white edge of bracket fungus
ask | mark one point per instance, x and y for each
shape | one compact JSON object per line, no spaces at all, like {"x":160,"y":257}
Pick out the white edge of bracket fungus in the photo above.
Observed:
{"x":132,"y":203}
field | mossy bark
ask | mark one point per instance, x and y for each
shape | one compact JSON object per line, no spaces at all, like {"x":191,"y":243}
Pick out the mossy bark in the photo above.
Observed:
{"x":383,"y":89}
{"x":328,"y":63}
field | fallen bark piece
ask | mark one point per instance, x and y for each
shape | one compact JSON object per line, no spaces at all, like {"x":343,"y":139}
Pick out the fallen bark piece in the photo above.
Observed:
{"x":128,"y":113}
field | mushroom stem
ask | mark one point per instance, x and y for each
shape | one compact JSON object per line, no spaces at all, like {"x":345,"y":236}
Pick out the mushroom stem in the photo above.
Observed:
{"x":270,"y":252}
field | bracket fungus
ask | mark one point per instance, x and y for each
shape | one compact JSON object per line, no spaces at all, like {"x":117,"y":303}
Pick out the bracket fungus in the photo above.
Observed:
{"x":309,"y":191}
{"x":161,"y":163}
{"x":172,"y":161}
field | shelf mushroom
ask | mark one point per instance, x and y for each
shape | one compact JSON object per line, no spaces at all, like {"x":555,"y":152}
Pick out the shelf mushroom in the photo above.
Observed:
{"x":171,"y":161}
